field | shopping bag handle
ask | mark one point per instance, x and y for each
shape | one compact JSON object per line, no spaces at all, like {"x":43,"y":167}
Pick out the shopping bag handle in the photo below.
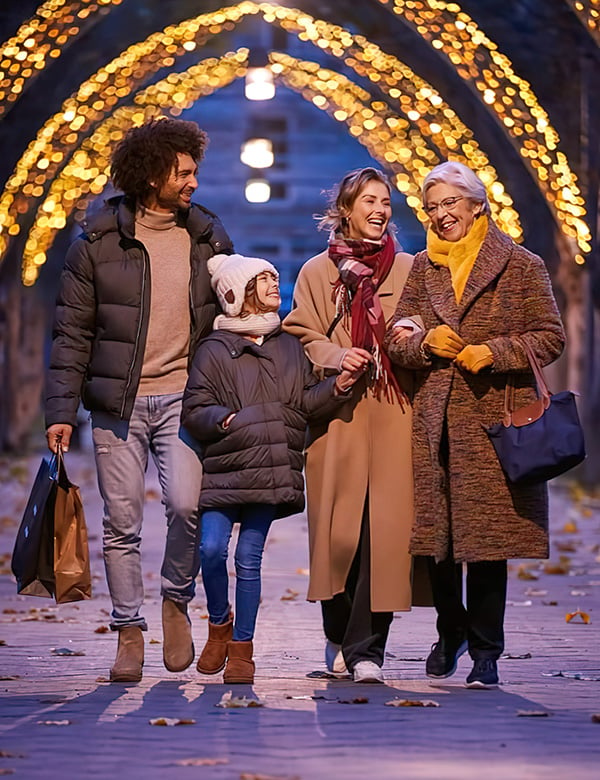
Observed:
{"x":532,"y":411}
{"x":58,"y":472}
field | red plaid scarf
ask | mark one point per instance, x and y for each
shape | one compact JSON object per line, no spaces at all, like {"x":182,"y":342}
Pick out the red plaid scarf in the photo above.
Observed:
{"x":363,"y":266}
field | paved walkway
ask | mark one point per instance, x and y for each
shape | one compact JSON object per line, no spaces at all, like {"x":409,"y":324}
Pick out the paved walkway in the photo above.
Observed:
{"x":59,"y":718}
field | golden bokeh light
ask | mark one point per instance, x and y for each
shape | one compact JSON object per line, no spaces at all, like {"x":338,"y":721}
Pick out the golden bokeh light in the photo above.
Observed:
{"x":410,"y":131}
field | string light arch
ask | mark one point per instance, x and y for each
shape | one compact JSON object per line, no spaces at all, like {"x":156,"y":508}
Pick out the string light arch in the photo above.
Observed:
{"x":588,"y":13}
{"x":391,"y":138}
{"x":110,"y":85}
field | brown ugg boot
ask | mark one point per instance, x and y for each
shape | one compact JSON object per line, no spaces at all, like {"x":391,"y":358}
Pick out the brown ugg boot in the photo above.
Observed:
{"x":178,"y":648}
{"x":240,"y":666}
{"x":130,"y":656}
{"x":212,"y":658}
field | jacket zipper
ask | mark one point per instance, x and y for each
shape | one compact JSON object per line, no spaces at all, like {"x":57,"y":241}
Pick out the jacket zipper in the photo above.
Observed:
{"x":139,"y":329}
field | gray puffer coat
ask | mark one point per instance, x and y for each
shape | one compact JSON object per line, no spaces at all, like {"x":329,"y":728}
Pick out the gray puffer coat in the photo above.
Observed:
{"x":272,"y":390}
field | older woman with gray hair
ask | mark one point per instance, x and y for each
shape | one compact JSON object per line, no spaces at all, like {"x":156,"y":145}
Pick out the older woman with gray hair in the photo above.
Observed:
{"x":481,"y":298}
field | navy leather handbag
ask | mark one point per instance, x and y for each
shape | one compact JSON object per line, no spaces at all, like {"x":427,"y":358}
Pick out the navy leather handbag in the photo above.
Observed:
{"x":541,"y":440}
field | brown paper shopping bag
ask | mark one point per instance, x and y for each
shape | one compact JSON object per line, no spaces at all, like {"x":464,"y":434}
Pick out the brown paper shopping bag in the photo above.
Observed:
{"x":73,"y":581}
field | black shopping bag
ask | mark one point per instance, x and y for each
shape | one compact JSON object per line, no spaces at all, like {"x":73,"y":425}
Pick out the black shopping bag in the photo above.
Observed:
{"x":33,"y":555}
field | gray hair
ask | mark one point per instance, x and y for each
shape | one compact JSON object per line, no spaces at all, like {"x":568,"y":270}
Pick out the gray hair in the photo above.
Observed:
{"x":461,"y":177}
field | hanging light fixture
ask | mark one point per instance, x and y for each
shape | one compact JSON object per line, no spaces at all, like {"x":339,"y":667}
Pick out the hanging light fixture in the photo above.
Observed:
{"x":258,"y":191}
{"x":257,"y":153}
{"x":259,"y":84}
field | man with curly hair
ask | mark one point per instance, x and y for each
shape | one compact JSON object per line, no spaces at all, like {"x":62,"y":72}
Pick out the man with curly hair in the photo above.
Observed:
{"x":135,"y":298}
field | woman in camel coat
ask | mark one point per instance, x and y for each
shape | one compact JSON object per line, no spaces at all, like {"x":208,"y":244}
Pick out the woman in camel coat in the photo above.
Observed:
{"x":480,"y":297}
{"x":358,"y":467}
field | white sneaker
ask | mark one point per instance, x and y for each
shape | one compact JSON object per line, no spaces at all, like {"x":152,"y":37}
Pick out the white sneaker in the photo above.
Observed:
{"x":367,"y":672}
{"x":334,"y":658}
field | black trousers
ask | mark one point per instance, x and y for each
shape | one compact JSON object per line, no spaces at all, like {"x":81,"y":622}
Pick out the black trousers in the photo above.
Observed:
{"x":482,"y":621}
{"x":347,"y":617}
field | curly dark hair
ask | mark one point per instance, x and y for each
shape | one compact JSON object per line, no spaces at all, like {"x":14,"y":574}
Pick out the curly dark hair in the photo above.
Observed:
{"x":149,"y":153}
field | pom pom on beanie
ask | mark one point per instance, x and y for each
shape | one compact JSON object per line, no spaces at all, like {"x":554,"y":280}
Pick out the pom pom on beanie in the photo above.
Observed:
{"x":230,"y":275}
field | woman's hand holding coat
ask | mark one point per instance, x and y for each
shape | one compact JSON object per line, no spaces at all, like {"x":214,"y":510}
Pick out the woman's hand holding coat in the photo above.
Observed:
{"x":443,"y":342}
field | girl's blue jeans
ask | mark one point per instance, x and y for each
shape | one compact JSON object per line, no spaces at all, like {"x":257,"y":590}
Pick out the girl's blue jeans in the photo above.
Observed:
{"x":217,"y":526}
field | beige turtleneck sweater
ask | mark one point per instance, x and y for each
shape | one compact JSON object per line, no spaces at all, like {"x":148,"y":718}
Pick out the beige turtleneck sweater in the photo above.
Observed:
{"x":164,"y":369}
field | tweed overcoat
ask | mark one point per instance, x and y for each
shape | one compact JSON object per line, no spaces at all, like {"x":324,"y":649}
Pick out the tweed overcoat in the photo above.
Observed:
{"x":508,"y":297}
{"x":362,"y":454}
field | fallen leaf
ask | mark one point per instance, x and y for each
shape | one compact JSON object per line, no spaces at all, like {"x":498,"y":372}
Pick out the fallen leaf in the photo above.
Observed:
{"x":591,"y":675}
{"x":290,"y":595}
{"x":596,"y":717}
{"x":201,"y":761}
{"x":309,"y":698}
{"x":556,"y":568}
{"x":3,"y":643}
{"x":525,"y":573}
{"x":54,"y":722}
{"x":318,"y":674}
{"x":154,"y":642}
{"x":101,"y":630}
{"x":550,"y":603}
{"x":527,"y":603}
{"x":8,"y":754}
{"x":356,"y":700}
{"x":578,"y":613}
{"x":533,"y":713}
{"x":570,"y":546}
{"x":236,"y":702}
{"x":252,"y":776}
{"x":10,"y":677}
{"x":513,"y":657}
{"x":65,"y":651}
{"x":7,"y":771}
{"x":536,"y":592}
{"x":171,"y":721}
{"x":412,"y":703}
{"x":570,"y":527}
{"x":579,"y":593}
{"x":304,"y":572}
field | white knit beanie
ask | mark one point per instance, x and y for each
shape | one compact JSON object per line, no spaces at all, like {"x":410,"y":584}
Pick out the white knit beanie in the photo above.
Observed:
{"x":229,"y":276}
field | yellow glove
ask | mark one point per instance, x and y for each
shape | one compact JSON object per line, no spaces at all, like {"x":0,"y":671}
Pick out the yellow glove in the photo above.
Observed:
{"x":443,"y":342}
{"x":474,"y":358}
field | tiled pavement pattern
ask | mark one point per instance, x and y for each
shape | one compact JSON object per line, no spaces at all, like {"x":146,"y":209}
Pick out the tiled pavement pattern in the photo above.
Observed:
{"x":59,"y":718}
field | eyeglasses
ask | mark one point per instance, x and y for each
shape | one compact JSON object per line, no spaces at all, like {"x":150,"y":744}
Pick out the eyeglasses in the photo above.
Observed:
{"x":448,"y":204}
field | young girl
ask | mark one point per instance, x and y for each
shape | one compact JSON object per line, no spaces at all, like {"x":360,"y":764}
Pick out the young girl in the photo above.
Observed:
{"x":247,"y":401}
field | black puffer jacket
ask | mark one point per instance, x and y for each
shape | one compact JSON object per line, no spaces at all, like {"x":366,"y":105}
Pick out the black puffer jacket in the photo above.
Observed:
{"x":102,"y":311}
{"x":273,"y":391}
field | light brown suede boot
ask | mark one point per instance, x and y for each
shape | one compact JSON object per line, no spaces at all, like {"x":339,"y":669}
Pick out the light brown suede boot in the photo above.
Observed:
{"x":240,"y":666}
{"x":213,"y":656}
{"x":130,"y":656}
{"x":178,"y":647}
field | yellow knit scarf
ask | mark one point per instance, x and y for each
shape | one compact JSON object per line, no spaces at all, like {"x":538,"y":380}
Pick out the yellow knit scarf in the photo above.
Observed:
{"x":458,"y":256}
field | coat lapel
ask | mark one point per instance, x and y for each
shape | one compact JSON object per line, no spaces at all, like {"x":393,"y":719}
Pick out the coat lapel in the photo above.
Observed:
{"x":441,"y":294}
{"x":493,"y":256}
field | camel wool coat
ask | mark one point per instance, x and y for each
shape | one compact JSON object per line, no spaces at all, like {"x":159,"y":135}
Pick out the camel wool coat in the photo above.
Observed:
{"x":362,"y":454}
{"x":508,"y":297}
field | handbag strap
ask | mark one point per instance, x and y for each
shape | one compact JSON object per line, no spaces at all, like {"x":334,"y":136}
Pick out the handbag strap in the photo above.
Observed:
{"x":535,"y":410}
